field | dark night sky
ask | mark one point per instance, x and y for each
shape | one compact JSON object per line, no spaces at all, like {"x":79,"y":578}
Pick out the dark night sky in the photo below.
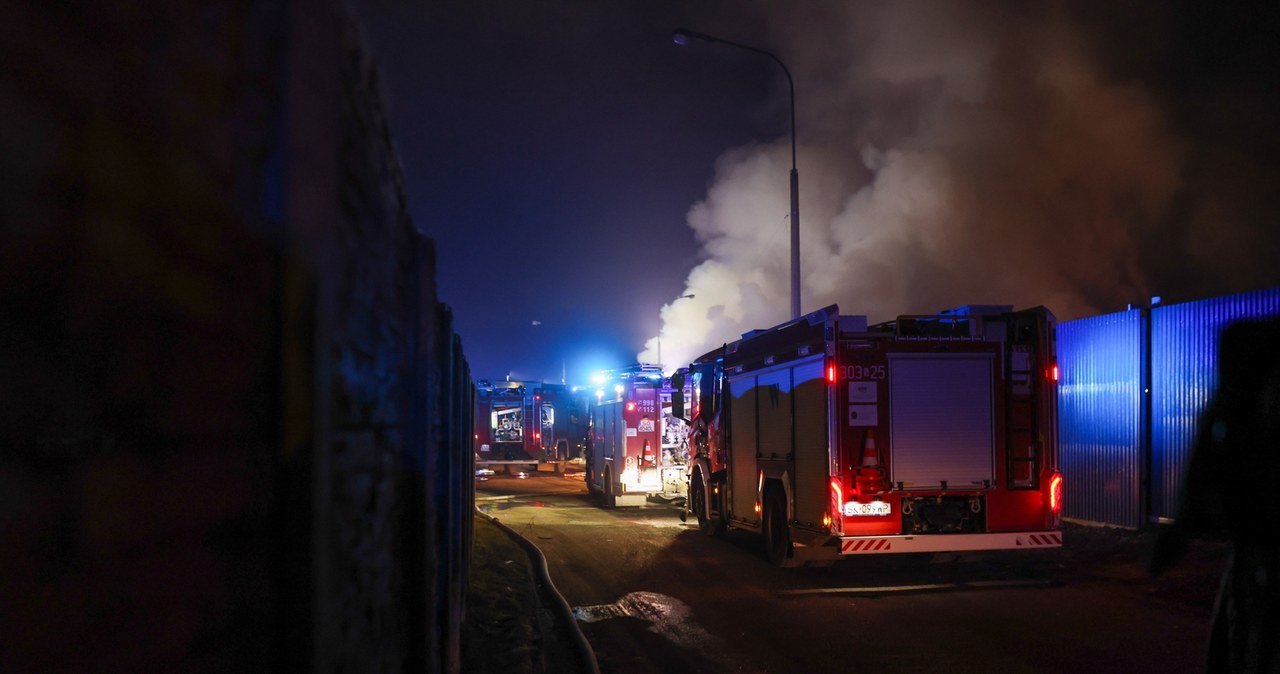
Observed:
{"x":578,"y":170}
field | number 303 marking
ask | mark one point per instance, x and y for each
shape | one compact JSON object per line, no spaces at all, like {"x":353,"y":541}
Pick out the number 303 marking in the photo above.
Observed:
{"x":862,"y":372}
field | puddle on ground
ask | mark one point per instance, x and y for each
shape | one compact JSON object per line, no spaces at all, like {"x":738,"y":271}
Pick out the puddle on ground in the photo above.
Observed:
{"x":666,"y":615}
{"x":670,"y":618}
{"x":495,"y":506}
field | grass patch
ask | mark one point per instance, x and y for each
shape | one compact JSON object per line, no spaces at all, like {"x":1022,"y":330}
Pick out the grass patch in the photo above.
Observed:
{"x":500,"y":633}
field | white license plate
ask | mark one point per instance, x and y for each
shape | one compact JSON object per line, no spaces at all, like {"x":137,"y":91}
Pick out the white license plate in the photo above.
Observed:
{"x":855,"y":509}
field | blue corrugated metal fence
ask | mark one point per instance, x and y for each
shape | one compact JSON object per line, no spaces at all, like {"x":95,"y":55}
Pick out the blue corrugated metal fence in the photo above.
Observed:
{"x":1104,"y":424}
{"x":1099,"y":410}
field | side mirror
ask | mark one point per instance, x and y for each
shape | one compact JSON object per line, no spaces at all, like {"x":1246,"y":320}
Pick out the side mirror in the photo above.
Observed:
{"x":677,"y":395}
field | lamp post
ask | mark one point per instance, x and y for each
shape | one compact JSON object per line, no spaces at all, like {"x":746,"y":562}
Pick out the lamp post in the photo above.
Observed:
{"x":681,"y":36}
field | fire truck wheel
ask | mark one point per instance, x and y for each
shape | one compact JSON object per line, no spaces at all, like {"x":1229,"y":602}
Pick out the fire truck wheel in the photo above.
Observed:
{"x":777,"y":539}
{"x":698,"y":502}
{"x":610,"y":500}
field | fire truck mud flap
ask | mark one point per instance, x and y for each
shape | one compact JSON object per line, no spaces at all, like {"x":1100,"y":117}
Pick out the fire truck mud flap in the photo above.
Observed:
{"x":630,"y":500}
{"x":814,"y":555}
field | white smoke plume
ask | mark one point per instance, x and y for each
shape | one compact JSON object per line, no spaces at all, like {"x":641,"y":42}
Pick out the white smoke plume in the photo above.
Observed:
{"x":949,"y":155}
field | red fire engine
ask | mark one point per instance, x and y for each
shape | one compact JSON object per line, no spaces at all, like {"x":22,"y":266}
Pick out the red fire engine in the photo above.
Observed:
{"x":924,"y":434}
{"x":637,"y":448}
{"x":528,"y":422}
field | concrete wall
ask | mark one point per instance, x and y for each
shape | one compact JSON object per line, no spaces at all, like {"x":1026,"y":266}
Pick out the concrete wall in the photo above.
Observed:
{"x":228,"y":407}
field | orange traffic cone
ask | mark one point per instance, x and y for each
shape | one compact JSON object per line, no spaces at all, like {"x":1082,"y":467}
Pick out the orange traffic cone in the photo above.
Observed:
{"x":870,"y":455}
{"x":869,"y":476}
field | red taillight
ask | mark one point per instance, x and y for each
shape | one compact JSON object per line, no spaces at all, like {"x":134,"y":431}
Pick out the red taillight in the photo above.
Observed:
{"x":1051,"y":373}
{"x":536,"y":436}
{"x":831,"y":374}
{"x":1055,"y":492}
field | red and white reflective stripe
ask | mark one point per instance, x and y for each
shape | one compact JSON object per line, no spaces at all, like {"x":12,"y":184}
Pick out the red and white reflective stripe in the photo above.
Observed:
{"x":1052,"y":539}
{"x":863,"y":545}
{"x":851,"y":546}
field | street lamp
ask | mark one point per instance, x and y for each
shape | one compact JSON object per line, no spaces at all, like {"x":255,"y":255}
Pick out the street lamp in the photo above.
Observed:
{"x":681,"y":36}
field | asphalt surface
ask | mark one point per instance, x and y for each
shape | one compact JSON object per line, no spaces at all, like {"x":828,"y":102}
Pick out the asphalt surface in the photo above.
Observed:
{"x":652,"y":594}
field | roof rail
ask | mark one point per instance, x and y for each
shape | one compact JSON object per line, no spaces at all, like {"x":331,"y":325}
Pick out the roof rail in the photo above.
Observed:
{"x":812,"y":318}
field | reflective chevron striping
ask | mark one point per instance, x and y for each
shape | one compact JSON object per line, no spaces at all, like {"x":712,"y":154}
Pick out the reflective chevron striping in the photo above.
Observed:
{"x":1041,"y":540}
{"x":862,"y":545}
{"x":866,"y":545}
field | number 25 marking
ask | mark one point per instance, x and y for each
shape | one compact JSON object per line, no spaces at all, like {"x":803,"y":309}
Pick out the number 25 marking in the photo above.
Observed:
{"x":862,"y":372}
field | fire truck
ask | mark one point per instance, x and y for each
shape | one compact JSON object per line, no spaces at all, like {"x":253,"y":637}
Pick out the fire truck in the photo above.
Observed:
{"x":528,"y":422}
{"x":637,"y":447}
{"x":831,"y":438}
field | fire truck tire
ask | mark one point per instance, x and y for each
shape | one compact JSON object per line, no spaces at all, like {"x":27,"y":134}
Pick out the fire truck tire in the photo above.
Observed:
{"x":610,"y":500}
{"x":698,"y":504}
{"x":707,"y":524}
{"x":777,"y":537}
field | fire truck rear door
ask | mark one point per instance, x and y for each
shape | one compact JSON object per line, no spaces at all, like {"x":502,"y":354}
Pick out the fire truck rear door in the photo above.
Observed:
{"x":942,"y":420}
